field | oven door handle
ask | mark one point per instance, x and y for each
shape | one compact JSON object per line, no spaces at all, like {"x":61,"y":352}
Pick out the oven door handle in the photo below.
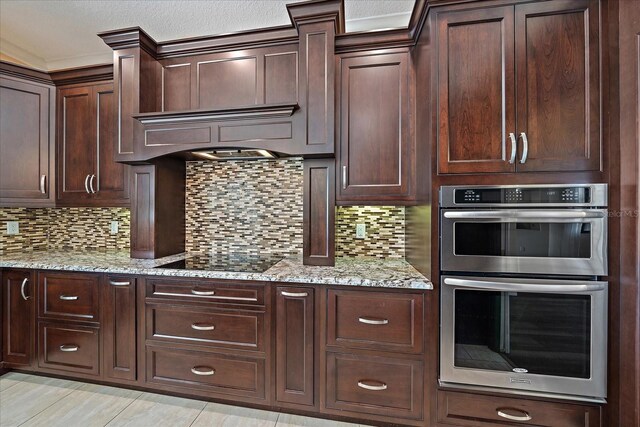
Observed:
{"x":517,"y":214}
{"x":526,"y":287}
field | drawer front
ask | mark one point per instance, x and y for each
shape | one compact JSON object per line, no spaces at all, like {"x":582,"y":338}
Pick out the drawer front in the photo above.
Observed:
{"x":69,"y":348}
{"x":374,"y":385}
{"x":239,"y":329}
{"x":205,"y":291}
{"x":375,"y":320}
{"x":466,"y":409}
{"x":69,"y":296}
{"x":220,"y":373}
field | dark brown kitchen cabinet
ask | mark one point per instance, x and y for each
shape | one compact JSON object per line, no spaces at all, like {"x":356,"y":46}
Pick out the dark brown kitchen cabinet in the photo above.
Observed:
{"x":119,"y":328}
{"x":518,"y":88}
{"x":375,"y":158}
{"x":19,"y":290}
{"x":86,"y":142}
{"x":27,"y":112}
{"x":295,"y":345}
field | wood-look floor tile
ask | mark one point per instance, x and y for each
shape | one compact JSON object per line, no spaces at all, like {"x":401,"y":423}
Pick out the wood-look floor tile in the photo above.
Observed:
{"x":215,"y":414}
{"x":11,"y":379}
{"x":88,"y":406}
{"x":158,"y":411}
{"x":288,"y":420}
{"x":31,"y":396}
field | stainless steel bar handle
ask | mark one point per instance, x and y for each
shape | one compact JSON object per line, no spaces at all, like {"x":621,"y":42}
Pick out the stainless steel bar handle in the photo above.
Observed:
{"x":525,"y":148}
{"x":69,"y":347}
{"x":524,"y":417}
{"x":43,"y":184}
{"x":198,"y":370}
{"x":372,"y":321}
{"x":203,"y":293}
{"x":557,"y":214}
{"x":112,"y":283}
{"x":514,"y":148}
{"x":200,"y":327}
{"x":344,"y":177}
{"x":86,"y":184}
{"x":525,"y":287}
{"x":24,"y":283}
{"x":294,"y":294}
{"x":91,"y":183}
{"x":68,"y":297}
{"x":363,"y":384}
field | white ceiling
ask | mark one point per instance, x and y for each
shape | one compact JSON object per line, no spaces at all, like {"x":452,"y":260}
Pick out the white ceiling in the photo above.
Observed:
{"x":57,"y":34}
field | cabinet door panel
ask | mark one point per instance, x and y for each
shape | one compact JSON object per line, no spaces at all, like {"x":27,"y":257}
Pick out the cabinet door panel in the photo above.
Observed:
{"x":18,"y":317}
{"x":476,"y":91}
{"x":375,"y":143}
{"x":25,"y":142}
{"x":119,"y":328}
{"x":112,"y":179}
{"x":558,"y":85}
{"x":76,"y":151}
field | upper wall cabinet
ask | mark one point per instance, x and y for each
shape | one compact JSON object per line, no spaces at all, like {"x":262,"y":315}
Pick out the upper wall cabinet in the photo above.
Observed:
{"x":27,"y":111}
{"x":518,"y":88}
{"x":87,"y":172}
{"x":375,"y":155}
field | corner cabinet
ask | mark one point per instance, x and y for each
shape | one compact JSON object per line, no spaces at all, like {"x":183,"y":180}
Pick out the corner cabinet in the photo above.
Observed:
{"x":376,"y":149}
{"x":27,"y":114}
{"x":518,"y":88}
{"x":86,"y":143}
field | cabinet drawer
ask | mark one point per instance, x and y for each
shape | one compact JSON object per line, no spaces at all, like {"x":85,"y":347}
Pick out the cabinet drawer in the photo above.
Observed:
{"x":69,"y":296}
{"x":465,"y":409}
{"x":69,"y":348}
{"x":204,"y":291}
{"x":220,"y":373}
{"x":374,"y":385}
{"x":375,"y":320}
{"x":240,"y":329}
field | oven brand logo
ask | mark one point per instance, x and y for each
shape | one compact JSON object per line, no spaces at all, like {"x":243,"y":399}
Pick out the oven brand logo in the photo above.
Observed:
{"x":520,"y":370}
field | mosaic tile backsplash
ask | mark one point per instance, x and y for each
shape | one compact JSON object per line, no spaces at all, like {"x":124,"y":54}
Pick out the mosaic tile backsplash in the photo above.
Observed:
{"x":385,"y":231}
{"x":64,"y":228}
{"x":245,"y":207}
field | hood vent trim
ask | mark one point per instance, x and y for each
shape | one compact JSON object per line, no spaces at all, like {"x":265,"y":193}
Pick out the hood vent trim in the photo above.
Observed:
{"x":222,"y":155}
{"x":252,"y":112}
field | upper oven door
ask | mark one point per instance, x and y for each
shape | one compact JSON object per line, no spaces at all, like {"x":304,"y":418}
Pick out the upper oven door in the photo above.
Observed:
{"x":528,"y":241}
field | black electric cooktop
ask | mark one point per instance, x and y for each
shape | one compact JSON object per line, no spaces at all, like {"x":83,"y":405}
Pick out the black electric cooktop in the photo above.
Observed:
{"x":232,"y":263}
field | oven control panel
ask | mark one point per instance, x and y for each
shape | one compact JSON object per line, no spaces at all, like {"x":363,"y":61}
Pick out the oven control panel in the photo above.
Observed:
{"x":524,"y":195}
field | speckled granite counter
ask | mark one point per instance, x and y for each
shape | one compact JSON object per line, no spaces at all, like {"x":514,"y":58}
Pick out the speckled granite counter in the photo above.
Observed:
{"x":347,"y":271}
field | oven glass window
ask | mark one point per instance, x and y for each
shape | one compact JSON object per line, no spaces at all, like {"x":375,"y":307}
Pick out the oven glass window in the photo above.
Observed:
{"x":547,"y":334}
{"x":523,"y":239}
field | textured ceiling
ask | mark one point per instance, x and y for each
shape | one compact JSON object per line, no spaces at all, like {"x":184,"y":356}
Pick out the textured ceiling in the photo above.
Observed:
{"x":60,"y":34}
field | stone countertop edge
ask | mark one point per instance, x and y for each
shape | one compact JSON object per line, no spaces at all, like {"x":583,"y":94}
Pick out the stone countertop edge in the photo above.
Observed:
{"x":397,"y":274}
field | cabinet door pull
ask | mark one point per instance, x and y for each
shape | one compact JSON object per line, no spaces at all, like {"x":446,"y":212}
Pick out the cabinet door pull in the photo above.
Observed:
{"x":372,"y":321}
{"x":24,"y":283}
{"x":294,"y":294}
{"x":524,"y":417}
{"x":86,"y":184}
{"x":373,"y":387}
{"x":91,"y":183}
{"x":112,"y":283}
{"x":68,"y":297}
{"x":344,"y":177}
{"x":43,"y":184}
{"x":69,"y":347}
{"x":525,"y":148}
{"x":199,"y":370}
{"x":201,"y":327}
{"x":203,"y":293}
{"x":514,"y":147}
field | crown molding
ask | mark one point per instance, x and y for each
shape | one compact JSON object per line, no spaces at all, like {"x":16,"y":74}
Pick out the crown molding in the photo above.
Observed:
{"x":87,"y":74}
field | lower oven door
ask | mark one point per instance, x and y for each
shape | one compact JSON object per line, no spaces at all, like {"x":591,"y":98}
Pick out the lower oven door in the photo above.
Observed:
{"x":535,"y":335}
{"x":525,"y":241}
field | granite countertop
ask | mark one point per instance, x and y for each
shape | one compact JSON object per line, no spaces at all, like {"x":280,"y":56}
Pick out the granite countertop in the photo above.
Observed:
{"x":366,"y":272}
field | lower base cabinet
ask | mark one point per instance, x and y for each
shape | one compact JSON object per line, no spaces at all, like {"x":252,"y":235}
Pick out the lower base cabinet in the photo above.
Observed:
{"x":119,"y":328}
{"x":474,"y":410}
{"x":68,"y":347}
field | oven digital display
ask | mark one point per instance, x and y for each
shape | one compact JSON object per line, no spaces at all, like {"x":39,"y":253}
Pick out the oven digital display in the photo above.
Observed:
{"x":568,"y":195}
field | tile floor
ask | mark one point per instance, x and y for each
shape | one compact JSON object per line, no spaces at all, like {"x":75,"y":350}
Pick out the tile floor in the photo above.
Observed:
{"x":29,"y":400}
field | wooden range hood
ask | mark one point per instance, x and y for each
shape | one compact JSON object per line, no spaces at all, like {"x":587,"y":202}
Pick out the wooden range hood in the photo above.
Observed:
{"x":270,"y":89}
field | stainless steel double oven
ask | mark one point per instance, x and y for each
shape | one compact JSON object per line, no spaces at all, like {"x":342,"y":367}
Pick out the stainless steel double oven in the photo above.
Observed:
{"x":523,"y":306}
